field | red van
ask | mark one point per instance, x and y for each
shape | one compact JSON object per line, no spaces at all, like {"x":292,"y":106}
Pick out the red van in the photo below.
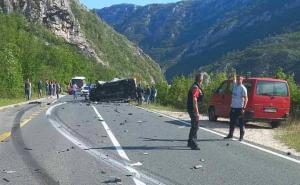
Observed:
{"x":268,"y":99}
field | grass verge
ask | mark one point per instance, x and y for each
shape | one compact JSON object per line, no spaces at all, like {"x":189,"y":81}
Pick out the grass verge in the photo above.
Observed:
{"x":289,"y":133}
{"x":156,"y":106}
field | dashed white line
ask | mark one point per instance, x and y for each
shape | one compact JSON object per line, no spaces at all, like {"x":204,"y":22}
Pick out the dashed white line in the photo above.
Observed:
{"x":137,"y":176}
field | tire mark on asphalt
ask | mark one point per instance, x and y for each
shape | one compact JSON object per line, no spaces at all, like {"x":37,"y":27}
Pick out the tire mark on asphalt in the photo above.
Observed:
{"x":42,"y":177}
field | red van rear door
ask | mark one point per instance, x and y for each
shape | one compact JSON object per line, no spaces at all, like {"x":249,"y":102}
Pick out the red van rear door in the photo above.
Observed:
{"x":271,"y":99}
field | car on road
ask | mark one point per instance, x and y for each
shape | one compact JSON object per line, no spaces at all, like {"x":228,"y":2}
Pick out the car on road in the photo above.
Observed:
{"x":268,"y":99}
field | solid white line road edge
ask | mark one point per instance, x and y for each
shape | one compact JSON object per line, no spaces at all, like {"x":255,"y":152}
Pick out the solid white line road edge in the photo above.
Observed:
{"x":113,"y":139}
{"x":98,"y":155}
{"x":222,"y":135}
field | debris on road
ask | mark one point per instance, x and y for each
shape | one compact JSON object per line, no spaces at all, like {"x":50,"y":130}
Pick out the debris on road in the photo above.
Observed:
{"x":136,"y":164}
{"x":6,"y":180}
{"x":130,"y":114}
{"x":122,"y":123}
{"x":103,"y":136}
{"x":125,"y":131}
{"x":202,"y":160}
{"x":198,"y":166}
{"x":114,"y":180}
{"x":8,"y":172}
{"x":140,"y":121}
{"x":227,"y":144}
{"x":288,"y":153}
{"x":103,"y":172}
{"x":146,"y":153}
{"x":27,"y":149}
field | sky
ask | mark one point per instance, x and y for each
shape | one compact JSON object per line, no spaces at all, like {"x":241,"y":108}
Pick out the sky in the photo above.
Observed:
{"x":106,"y":3}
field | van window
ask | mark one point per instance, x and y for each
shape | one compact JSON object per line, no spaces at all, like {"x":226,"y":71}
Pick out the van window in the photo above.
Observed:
{"x":222,"y":88}
{"x":271,"y":88}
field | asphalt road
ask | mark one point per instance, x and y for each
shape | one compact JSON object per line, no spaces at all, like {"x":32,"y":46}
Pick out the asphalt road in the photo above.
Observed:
{"x":72,"y":143}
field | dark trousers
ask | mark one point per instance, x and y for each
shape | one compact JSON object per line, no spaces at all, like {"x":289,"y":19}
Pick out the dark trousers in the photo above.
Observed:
{"x":237,"y":118}
{"x":194,"y":129}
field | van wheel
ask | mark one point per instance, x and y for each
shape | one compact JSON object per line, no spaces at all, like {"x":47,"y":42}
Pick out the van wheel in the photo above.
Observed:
{"x":211,"y":114}
{"x":275,"y":124}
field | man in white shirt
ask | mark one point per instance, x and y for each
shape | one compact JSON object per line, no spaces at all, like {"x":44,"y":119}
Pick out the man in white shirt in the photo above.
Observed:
{"x":238,"y":105}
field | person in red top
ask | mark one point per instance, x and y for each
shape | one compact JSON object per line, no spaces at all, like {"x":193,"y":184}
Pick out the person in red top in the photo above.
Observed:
{"x":195,"y":95}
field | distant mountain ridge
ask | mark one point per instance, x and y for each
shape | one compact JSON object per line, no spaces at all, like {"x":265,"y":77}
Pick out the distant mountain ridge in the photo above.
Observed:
{"x":187,"y":35}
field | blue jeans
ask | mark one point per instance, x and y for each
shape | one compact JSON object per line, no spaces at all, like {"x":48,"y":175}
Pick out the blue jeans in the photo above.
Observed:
{"x":237,"y":118}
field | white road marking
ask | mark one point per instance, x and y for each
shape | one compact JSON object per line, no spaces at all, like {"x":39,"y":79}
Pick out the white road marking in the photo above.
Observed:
{"x":222,"y":135}
{"x":98,"y":155}
{"x":113,"y":139}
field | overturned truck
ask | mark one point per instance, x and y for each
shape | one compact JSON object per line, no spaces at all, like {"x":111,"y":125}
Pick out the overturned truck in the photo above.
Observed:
{"x":118,"y":90}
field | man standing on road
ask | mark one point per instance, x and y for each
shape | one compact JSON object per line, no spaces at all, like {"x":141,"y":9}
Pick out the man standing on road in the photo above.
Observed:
{"x":238,"y":105}
{"x":74,"y":90}
{"x":40,"y":87}
{"x":194,"y":96}
{"x":139,"y":93}
{"x":27,"y":89}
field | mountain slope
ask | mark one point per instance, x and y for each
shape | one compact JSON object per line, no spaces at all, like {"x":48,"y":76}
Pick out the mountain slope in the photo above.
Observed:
{"x":108,"y":53}
{"x":186,"y":35}
{"x":264,"y":58}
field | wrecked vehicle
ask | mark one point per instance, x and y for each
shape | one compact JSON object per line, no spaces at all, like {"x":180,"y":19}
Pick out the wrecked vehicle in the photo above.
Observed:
{"x":116,"y":90}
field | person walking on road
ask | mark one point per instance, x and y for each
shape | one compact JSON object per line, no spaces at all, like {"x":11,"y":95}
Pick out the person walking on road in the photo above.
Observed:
{"x":139,"y":92}
{"x":147,"y":94}
{"x":27,"y":89}
{"x":40,"y":87}
{"x":58,"y":89}
{"x":153,"y":94}
{"x":195,"y":95}
{"x":74,"y":89}
{"x":238,"y":105}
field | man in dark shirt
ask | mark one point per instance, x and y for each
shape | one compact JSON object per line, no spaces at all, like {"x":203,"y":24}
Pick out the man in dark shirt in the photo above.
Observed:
{"x":194,"y":96}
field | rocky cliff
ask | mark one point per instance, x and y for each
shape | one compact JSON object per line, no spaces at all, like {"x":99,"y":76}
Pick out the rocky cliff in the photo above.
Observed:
{"x":55,"y":15}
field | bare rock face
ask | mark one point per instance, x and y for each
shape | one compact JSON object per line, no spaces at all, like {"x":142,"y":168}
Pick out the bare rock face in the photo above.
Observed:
{"x":54,"y":14}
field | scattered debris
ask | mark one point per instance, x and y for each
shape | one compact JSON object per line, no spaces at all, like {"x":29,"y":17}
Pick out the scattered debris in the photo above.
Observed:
{"x":126,"y":131}
{"x":125,"y":121}
{"x":35,"y":102}
{"x":129,"y":175}
{"x":103,"y":172}
{"x":62,"y":108}
{"x":198,"y":166}
{"x":140,"y":121}
{"x":103,"y":136}
{"x":202,"y":160}
{"x":146,"y":153}
{"x":227,"y":144}
{"x":6,"y":180}
{"x":288,"y":153}
{"x":116,"y":110}
{"x":27,"y":149}
{"x":37,"y":171}
{"x":136,"y":164}
{"x":130,"y":114}
{"x":72,"y":147}
{"x":68,"y":149}
{"x":78,"y":125}
{"x":99,"y":119}
{"x":160,"y":116}
{"x":11,"y":171}
{"x":114,"y":180}
{"x":48,"y":103}
{"x":122,"y":123}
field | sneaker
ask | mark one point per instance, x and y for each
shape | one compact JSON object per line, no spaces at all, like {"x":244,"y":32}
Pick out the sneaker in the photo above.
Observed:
{"x":228,"y":137}
{"x":195,"y":148}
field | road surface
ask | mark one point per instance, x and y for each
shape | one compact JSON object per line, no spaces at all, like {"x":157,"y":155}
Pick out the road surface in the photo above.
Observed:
{"x":70,"y":143}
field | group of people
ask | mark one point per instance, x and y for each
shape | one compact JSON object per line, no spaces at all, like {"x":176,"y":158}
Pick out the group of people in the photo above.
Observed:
{"x":146,"y":95}
{"x":52,"y":88}
{"x":238,"y":105}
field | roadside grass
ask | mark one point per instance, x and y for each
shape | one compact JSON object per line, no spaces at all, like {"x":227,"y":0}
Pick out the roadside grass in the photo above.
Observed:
{"x":10,"y":101}
{"x":156,"y":106}
{"x":289,"y":133}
